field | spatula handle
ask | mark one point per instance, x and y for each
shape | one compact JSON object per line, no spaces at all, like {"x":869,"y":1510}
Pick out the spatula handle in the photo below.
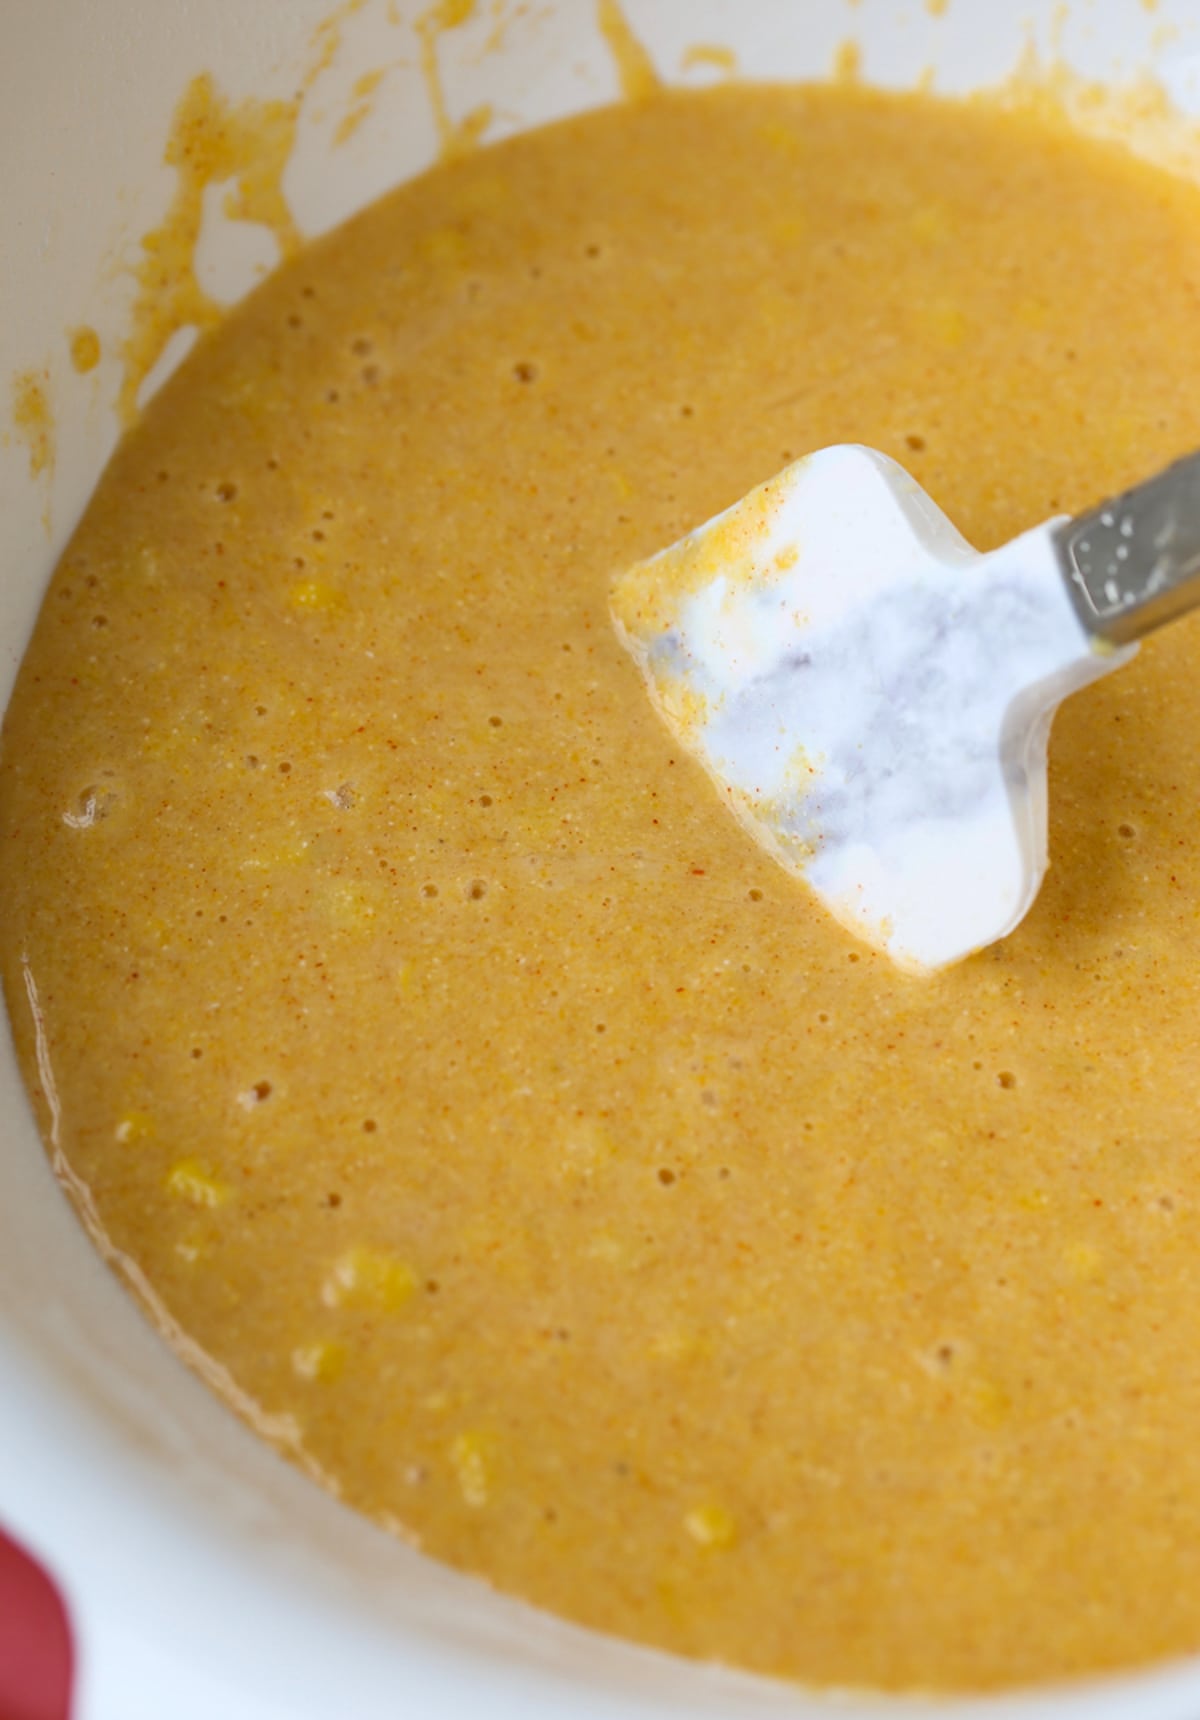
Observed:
{"x":1133,"y":563}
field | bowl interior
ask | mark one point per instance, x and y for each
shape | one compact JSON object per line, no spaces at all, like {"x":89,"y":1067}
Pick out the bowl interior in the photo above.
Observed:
{"x":184,"y":1545}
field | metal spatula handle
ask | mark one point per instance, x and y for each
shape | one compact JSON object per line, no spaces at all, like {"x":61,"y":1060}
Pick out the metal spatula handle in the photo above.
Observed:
{"x":1134,"y":563}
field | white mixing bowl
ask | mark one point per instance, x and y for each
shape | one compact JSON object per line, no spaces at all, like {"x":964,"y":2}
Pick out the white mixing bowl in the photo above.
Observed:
{"x":205,"y":1577}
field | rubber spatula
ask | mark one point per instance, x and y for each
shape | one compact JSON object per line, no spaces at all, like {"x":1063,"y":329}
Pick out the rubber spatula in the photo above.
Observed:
{"x":873,"y":698}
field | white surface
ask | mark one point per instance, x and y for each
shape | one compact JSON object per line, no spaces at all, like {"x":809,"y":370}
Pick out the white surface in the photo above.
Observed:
{"x":872,"y":698}
{"x":208,"y":1578}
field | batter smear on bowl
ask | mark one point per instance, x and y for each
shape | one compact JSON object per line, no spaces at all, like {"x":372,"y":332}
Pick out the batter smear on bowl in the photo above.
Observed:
{"x":505,"y":1126}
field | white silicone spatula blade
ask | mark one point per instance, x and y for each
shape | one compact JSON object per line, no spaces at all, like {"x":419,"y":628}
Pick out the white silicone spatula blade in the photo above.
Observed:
{"x":873,"y":698}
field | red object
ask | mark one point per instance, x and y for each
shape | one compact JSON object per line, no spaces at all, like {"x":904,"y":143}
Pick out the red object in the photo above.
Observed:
{"x":35,"y":1641}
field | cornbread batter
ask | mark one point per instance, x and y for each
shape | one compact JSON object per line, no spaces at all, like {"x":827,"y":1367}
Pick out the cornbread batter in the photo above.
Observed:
{"x":531,"y":1151}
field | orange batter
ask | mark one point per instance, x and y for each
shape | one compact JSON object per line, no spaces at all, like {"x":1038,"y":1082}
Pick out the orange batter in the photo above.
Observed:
{"x":466,"y":1084}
